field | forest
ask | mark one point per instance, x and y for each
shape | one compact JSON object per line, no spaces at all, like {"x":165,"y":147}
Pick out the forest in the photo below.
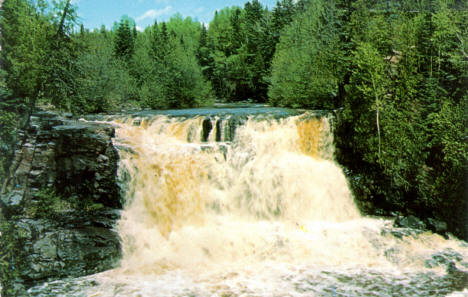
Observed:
{"x":396,"y":72}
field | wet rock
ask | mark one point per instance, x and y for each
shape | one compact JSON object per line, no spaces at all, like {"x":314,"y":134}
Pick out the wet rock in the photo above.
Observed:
{"x":409,"y":222}
{"x":393,"y":255}
{"x":64,"y":288}
{"x":87,"y":163}
{"x":437,"y":226}
{"x":375,"y":283}
{"x":207,"y":127}
{"x":401,"y":232}
{"x":446,"y":258}
{"x":46,"y":247}
{"x":457,"y":278}
{"x":56,"y":249}
{"x":12,"y":203}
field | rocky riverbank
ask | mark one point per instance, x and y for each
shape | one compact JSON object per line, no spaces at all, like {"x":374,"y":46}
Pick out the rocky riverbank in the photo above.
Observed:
{"x":60,"y":203}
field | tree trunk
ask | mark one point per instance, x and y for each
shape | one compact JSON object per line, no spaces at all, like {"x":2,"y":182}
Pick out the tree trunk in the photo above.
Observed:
{"x":60,"y":30}
{"x":377,"y":120}
{"x":378,"y":126}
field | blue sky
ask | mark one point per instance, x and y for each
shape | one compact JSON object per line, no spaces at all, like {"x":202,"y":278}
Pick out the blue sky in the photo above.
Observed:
{"x":94,"y":13}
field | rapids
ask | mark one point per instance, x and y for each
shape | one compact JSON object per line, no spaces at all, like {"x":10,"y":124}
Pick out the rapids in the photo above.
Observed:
{"x":255,"y":208}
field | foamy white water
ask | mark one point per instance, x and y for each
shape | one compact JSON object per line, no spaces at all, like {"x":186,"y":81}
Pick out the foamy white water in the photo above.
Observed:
{"x":267,"y":213}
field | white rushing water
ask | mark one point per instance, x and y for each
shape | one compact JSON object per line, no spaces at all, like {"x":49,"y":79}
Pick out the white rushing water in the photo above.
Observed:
{"x":267,"y":213}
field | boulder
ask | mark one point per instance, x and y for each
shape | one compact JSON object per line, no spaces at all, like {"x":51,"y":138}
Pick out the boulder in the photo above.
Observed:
{"x":55,"y":250}
{"x":410,"y":221}
{"x":437,"y":226}
{"x":12,"y":203}
{"x":444,"y":258}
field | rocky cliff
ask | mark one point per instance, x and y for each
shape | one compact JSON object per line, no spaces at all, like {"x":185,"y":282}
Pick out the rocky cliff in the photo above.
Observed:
{"x":60,"y":203}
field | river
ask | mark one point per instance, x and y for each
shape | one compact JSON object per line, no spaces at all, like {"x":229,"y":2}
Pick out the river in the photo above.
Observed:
{"x":221,"y":204}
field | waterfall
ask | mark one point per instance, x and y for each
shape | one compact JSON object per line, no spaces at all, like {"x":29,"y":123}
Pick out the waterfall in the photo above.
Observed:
{"x":222,"y":206}
{"x":186,"y":190}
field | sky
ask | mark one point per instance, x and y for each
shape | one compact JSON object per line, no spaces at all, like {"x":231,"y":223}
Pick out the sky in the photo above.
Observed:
{"x":94,"y":13}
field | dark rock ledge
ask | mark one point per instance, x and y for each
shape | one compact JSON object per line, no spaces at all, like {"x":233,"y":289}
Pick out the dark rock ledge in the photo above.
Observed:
{"x":60,"y":204}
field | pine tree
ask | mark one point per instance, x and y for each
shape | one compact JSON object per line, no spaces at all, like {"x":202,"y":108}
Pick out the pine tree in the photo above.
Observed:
{"x":124,"y":44}
{"x":59,"y":85}
{"x":305,"y":70}
{"x":256,"y":50}
{"x":176,"y":79}
{"x":23,"y":54}
{"x":204,"y":57}
{"x":282,"y":15}
{"x":236,"y":30}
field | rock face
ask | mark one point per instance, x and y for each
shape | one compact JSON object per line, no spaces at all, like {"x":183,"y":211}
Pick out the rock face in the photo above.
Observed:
{"x":60,"y":203}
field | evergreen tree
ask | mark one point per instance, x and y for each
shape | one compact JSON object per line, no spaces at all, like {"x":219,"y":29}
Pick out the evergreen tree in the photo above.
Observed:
{"x":59,"y":80}
{"x":224,"y":78}
{"x":176,"y":79}
{"x":257,"y":50}
{"x":23,"y":52}
{"x":282,"y":15}
{"x":204,"y":56}
{"x":103,"y":83}
{"x":124,"y":44}
{"x":403,"y":158}
{"x":305,"y":69}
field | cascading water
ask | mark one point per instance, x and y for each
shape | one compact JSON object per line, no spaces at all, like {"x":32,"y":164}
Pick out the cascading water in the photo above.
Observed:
{"x":194,"y":204}
{"x":266,"y":212}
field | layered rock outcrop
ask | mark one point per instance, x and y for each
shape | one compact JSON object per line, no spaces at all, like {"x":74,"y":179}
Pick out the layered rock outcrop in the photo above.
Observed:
{"x":60,"y":203}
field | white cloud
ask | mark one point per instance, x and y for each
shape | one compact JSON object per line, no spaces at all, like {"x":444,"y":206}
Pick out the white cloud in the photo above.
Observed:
{"x":154,"y":13}
{"x":140,"y":29}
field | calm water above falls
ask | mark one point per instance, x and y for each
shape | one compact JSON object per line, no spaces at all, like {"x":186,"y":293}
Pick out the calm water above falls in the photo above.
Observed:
{"x":263,"y":211}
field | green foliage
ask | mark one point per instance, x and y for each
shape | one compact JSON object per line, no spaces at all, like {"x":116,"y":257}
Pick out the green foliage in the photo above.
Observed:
{"x":12,"y":112}
{"x":368,"y":85}
{"x":445,"y":183}
{"x":204,"y":56}
{"x":76,"y":71}
{"x":60,"y":63}
{"x":282,"y":15}
{"x":450,"y":129}
{"x":124,"y":43}
{"x":24,"y":40}
{"x":48,"y":204}
{"x":102,"y":82}
{"x":187,"y":30}
{"x":223,"y":43}
{"x":9,"y":247}
{"x":404,"y":131}
{"x":305,"y":70}
{"x":8,"y":126}
{"x":242,"y":44}
{"x":36,"y":50}
{"x":59,"y":80}
{"x":175,"y":78}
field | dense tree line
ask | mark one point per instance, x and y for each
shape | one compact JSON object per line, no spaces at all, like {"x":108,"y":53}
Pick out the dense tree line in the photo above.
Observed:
{"x":405,"y":123}
{"x":173,"y":64}
{"x":48,"y":61}
{"x":396,"y":69}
